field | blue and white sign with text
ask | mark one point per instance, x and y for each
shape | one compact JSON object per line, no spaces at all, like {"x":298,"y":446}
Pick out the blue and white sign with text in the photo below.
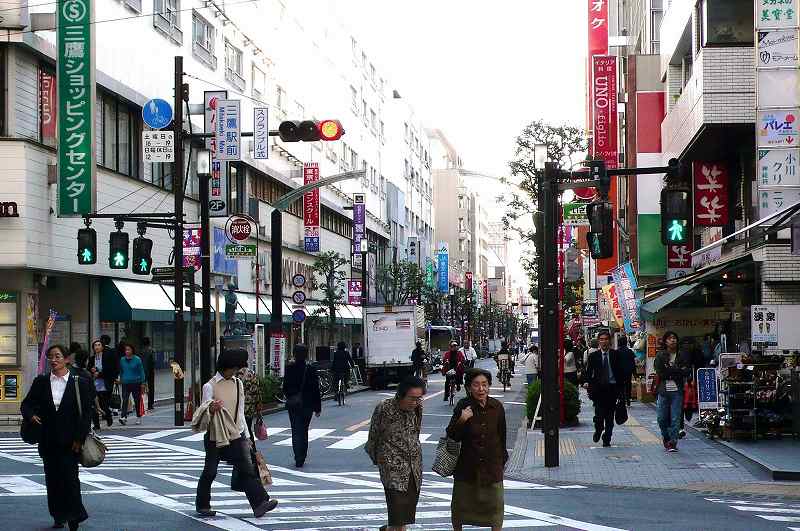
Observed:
{"x":157,"y":113}
{"x":707,"y":396}
{"x":444,"y":268}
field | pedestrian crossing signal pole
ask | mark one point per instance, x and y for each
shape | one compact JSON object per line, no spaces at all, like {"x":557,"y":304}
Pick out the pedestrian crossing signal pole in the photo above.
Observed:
{"x":177,"y":184}
{"x":550,"y":389}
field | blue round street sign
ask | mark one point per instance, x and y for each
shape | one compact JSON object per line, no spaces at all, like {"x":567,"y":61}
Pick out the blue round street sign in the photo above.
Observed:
{"x":298,"y":316}
{"x":157,"y":113}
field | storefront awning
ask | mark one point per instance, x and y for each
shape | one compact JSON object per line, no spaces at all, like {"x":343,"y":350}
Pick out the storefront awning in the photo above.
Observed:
{"x":128,"y":300}
{"x":664,"y":298}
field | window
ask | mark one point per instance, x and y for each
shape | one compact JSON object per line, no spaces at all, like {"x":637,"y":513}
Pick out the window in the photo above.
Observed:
{"x":364,"y":110}
{"x":238,"y":193}
{"x":405,"y":132}
{"x":234,"y":66}
{"x":203,"y":35}
{"x":121,"y":130}
{"x":727,"y":22}
{"x":259,"y":83}
{"x":354,"y":97}
{"x":405,"y":169}
{"x":353,"y":159}
{"x":372,"y":73}
{"x":166,"y":18}
{"x":354,"y":45}
{"x":9,"y":353}
{"x":363,"y":59}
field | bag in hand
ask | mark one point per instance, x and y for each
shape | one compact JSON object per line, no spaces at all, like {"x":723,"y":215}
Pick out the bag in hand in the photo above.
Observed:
{"x":93,"y":451}
{"x":621,"y":412}
{"x":115,"y":401}
{"x":261,"y":429}
{"x":447,"y":452}
{"x":30,"y":432}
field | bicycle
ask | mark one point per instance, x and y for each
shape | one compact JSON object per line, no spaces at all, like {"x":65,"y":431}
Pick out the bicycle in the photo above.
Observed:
{"x":325,"y":384}
{"x":504,"y":375}
{"x":450,"y":385}
{"x":341,"y":389}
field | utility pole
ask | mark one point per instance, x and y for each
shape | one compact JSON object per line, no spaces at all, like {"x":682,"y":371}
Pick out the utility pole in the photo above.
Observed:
{"x":549,"y":330}
{"x":177,"y":185}
{"x":206,"y":361}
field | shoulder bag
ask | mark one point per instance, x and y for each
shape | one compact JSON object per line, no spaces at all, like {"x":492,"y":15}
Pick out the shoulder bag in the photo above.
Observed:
{"x":621,"y":412}
{"x":295,"y":401}
{"x":93,"y":451}
{"x":447,"y":452}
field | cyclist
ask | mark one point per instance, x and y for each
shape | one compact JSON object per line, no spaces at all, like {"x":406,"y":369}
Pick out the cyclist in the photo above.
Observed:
{"x":418,"y":360}
{"x":453,"y":361}
{"x":503,"y":360}
{"x":342,"y":362}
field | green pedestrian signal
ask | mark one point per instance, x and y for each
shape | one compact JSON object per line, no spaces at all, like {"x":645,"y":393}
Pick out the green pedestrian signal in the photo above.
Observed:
{"x":142,"y":258}
{"x":143,"y":266}
{"x":676,"y":216}
{"x":676,"y":231}
{"x":119,"y":260}
{"x":87,"y":246}
{"x":118,"y":250}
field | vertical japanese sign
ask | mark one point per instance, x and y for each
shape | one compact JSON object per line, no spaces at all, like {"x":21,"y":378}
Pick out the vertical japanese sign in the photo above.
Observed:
{"x":604,"y":104}
{"x":764,"y":325}
{"x":261,"y":133}
{"x":227,"y":130}
{"x":47,"y":107}
{"x":75,"y":115}
{"x":485,"y":290}
{"x":354,"y":291}
{"x":191,"y":249}
{"x":626,"y":284}
{"x":710,"y":194}
{"x":429,"y":272}
{"x":598,"y":45}
{"x":443,"y":267}
{"x":610,"y":293}
{"x":707,"y":394}
{"x":679,"y":260}
{"x":468,"y":281}
{"x":778,"y":167}
{"x":277,"y":352}
{"x":359,"y":222}
{"x":311,"y":208}
{"x":218,"y":184}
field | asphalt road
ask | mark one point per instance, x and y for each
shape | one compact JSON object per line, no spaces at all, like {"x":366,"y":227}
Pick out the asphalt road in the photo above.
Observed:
{"x":148,"y":483}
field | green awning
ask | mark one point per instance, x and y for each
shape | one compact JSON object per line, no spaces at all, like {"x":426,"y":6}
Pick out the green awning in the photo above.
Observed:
{"x":129,"y":300}
{"x":664,"y":298}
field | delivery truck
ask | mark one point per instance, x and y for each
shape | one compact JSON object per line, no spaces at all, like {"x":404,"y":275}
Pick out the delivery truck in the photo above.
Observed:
{"x":391,"y":332}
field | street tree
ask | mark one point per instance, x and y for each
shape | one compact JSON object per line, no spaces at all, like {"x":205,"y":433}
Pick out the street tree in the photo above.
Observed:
{"x":399,"y":282}
{"x":329,"y":278}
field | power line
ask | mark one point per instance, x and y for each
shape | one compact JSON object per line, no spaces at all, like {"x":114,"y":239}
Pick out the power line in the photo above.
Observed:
{"x":122,"y":198}
{"x":221,"y":87}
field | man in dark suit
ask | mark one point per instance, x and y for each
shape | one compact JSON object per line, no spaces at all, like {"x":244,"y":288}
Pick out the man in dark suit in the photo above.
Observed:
{"x":605,"y":376}
{"x":301,"y":389}
{"x":629,"y":362}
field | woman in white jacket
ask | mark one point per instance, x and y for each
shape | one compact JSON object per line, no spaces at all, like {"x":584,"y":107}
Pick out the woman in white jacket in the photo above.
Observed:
{"x":531,"y":361}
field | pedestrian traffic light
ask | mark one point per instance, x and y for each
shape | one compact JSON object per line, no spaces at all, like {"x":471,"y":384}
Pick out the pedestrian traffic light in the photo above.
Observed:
{"x":118,"y":250}
{"x":600,"y":238}
{"x":87,"y":246}
{"x":676,"y":216}
{"x":142,"y":258}
{"x":310,"y":130}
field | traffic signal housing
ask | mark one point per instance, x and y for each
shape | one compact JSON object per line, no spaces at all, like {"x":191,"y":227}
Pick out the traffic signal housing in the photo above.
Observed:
{"x":600,"y":173}
{"x":676,"y":216}
{"x":600,"y":238}
{"x":87,"y":246}
{"x":310,"y":130}
{"x":142,"y":256}
{"x":118,"y":250}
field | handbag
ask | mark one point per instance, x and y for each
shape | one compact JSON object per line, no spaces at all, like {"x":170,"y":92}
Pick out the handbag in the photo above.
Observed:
{"x":654,"y":383}
{"x":115,"y":400}
{"x":621,"y":412}
{"x":261,"y":429}
{"x":447,"y":452}
{"x":93,"y":451}
{"x":295,"y":401}
{"x":140,"y":406}
{"x":30,"y":432}
{"x":259,"y":465}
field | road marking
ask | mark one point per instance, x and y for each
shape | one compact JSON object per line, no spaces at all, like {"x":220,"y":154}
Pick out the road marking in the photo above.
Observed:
{"x":313,"y":435}
{"x":289,"y":493}
{"x":358,"y":426}
{"x":194,"y":437}
{"x":357,"y":507}
{"x":161,"y":434}
{"x":355,"y":440}
{"x":276,"y":431}
{"x":756,"y":509}
{"x":779,"y":518}
{"x":515,"y":403}
{"x":21,"y":485}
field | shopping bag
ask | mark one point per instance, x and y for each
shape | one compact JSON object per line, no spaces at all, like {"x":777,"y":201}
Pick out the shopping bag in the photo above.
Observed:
{"x":263,"y":470}
{"x":140,"y":407}
{"x":115,"y":400}
{"x":690,"y":397}
{"x":621,"y":412}
{"x":447,"y":452}
{"x":261,"y":429}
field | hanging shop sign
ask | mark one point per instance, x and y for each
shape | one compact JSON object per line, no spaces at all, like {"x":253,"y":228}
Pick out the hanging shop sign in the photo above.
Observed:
{"x":626,"y":284}
{"x":354,"y":287}
{"x":444,"y":267}
{"x":191,"y":248}
{"x":771,"y":200}
{"x":228,"y":130}
{"x":311,"y":209}
{"x":777,"y":48}
{"x":277,"y":351}
{"x":764,"y":325}
{"x":710,"y":194}
{"x":218,"y":183}
{"x":612,"y":297}
{"x":604,"y":102}
{"x":707,"y":394}
{"x":261,"y":133}
{"x":777,"y":128}
{"x":47,"y":106}
{"x":778,"y":167}
{"x":75,"y":115}
{"x":776,"y":14}
{"x":679,"y":260}
{"x":359,"y":221}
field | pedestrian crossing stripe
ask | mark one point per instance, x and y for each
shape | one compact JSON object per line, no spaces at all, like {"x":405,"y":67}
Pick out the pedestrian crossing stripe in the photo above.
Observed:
{"x":771,"y":511}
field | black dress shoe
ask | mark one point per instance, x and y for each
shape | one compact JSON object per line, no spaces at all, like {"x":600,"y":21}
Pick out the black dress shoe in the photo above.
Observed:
{"x":73,"y":525}
{"x":205,"y":512}
{"x":265,"y":507}
{"x":606,"y":444}
{"x":597,"y":435}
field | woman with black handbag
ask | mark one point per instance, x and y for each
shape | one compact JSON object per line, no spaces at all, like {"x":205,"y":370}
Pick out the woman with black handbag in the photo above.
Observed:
{"x":301,"y":389}
{"x":103,"y":367}
{"x":52,"y":403}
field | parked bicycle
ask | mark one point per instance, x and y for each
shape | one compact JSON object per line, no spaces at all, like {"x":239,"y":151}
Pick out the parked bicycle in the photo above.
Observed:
{"x":325,"y":384}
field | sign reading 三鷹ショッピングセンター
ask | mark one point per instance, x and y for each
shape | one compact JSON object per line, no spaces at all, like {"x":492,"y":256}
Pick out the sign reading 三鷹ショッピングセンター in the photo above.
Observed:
{"x":76,"y":95}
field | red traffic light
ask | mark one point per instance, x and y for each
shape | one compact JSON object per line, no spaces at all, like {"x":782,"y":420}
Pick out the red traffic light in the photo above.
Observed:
{"x":330,"y":130}
{"x":310,"y":130}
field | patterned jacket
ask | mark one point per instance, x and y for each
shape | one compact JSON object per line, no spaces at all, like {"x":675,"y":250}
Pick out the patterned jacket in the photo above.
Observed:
{"x":393,"y":444}
{"x":252,"y":392}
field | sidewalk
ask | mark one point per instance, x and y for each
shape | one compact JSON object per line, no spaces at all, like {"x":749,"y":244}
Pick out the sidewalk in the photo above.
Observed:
{"x":637,"y":459}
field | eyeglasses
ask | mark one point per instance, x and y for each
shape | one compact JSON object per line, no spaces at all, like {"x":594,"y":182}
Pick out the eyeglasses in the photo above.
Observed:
{"x":414,"y":398}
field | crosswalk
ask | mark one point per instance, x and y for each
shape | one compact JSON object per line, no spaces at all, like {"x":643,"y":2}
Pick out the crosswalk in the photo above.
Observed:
{"x":778,"y":512}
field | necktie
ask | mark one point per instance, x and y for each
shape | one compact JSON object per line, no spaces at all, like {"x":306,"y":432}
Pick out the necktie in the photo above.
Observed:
{"x":604,"y":377}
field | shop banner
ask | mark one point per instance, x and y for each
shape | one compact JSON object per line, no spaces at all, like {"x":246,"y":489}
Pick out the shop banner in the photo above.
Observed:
{"x":359,"y":221}
{"x":679,"y":260}
{"x":764,"y":325}
{"x":772,"y":200}
{"x":626,"y":284}
{"x":610,"y":292}
{"x":710,"y":194}
{"x":261,"y":133}
{"x":468,"y":281}
{"x":75,"y":114}
{"x":604,"y":103}
{"x":311,"y":208}
{"x":777,"y":128}
{"x":354,"y":291}
{"x":429,"y":272}
{"x":707,"y":395}
{"x":598,"y":27}
{"x":444,"y":268}
{"x":277,"y":351}
{"x":47,"y":107}
{"x":776,"y":14}
{"x":218,"y":184}
{"x":778,"y":167}
{"x":191,"y":249}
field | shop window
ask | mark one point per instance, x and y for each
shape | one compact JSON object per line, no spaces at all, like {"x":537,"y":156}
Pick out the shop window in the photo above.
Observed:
{"x":8,"y":328}
{"x":121,"y":131}
{"x":727,"y":22}
{"x":10,"y":386}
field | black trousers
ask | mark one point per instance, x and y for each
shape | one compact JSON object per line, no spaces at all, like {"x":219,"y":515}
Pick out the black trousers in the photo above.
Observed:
{"x":63,"y":486}
{"x":300,"y":419}
{"x":102,"y":399}
{"x":151,"y":389}
{"x":134,"y":389}
{"x":237,"y":453}
{"x":605,"y":402}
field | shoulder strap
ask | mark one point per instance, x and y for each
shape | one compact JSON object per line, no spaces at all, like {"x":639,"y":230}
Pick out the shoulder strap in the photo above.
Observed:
{"x":303,"y":380}
{"x":236,"y":414}
{"x":78,"y":396}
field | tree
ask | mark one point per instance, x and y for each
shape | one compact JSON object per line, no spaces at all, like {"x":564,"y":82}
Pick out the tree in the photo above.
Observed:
{"x":566,"y":145}
{"x":329,"y":279}
{"x":399,"y":281}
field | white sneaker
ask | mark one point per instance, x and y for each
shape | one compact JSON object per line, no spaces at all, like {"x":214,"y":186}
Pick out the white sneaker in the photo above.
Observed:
{"x":138,"y":421}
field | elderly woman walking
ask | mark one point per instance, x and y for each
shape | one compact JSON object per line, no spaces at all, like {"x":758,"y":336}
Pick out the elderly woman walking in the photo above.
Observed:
{"x":479,"y":423}
{"x":393,"y":445}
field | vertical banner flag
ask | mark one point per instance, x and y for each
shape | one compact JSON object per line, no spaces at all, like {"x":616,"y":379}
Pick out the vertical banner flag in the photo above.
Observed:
{"x":218,"y":184}
{"x":429,"y":271}
{"x":191,"y":249}
{"x":261,"y":133}
{"x":468,"y":281}
{"x":598,"y":45}
{"x":311,"y":208}
{"x":444,"y":268}
{"x":625,"y":283}
{"x":47,"y":107}
{"x":604,"y":104}
{"x":75,"y":114}
{"x":679,"y":260}
{"x":359,"y":222}
{"x":610,"y":292}
{"x":354,"y":291}
{"x":228,"y":130}
{"x":710,"y":194}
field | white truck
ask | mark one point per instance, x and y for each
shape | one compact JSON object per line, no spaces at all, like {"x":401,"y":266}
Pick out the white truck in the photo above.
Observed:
{"x":391,"y":332}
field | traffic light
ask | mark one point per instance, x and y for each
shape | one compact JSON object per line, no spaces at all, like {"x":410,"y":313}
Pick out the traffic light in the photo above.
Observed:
{"x":310,"y":130}
{"x":676,"y":216}
{"x":142,"y":259}
{"x":118,"y":250}
{"x":599,"y":173}
{"x":600,"y":238}
{"x":87,"y":246}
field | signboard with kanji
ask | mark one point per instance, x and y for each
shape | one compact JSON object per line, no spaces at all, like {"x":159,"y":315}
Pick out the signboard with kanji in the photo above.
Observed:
{"x":261,"y":133}
{"x":604,"y":103}
{"x":311,"y":208}
{"x":679,"y":260}
{"x":778,"y":167}
{"x":444,"y":267}
{"x":707,"y":395}
{"x":158,"y":146}
{"x":191,"y":248}
{"x":354,"y":287}
{"x":228,"y":130}
{"x":575,"y":214}
{"x":626,"y":284}
{"x":777,"y":128}
{"x":776,"y":14}
{"x":218,"y":184}
{"x":777,"y":48}
{"x":771,"y":200}
{"x":764,"y":325}
{"x":710,"y":194}
{"x":75,"y":115}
